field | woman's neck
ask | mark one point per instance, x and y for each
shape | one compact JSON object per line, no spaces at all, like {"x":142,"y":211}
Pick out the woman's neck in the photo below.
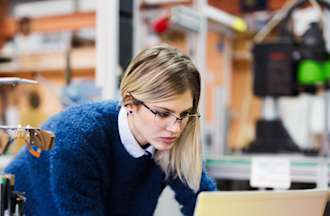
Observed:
{"x":137,"y":135}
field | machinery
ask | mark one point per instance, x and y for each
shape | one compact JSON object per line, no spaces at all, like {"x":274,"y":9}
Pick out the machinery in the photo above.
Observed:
{"x":36,"y":140}
{"x":288,"y":66}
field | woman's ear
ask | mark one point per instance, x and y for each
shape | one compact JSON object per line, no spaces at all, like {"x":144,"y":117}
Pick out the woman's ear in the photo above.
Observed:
{"x":129,"y":104}
{"x":128,"y":100}
{"x":130,"y":109}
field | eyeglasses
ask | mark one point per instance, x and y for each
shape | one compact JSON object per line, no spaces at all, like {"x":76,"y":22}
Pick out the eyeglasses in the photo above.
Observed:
{"x":166,"y":118}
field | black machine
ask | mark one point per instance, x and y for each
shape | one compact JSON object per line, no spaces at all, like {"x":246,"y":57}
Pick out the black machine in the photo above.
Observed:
{"x":287,"y":67}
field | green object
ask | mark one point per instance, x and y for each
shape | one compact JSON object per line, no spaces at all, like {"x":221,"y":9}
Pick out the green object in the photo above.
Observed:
{"x":326,"y":70}
{"x":310,"y":72}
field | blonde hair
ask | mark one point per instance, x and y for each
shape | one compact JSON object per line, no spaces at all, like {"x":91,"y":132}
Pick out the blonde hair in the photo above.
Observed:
{"x":157,"y":74}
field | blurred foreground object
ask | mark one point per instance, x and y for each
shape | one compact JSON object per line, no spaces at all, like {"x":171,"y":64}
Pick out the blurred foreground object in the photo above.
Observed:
{"x":15,"y":81}
{"x":36,"y":140}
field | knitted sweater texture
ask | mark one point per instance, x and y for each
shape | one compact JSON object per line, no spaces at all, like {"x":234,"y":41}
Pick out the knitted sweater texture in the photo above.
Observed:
{"x":90,"y":173}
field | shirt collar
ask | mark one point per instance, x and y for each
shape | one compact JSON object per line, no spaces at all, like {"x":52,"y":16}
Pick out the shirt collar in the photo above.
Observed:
{"x":130,"y":143}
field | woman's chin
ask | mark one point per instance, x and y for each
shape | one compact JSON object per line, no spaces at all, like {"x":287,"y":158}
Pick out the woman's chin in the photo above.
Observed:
{"x":163,"y":146}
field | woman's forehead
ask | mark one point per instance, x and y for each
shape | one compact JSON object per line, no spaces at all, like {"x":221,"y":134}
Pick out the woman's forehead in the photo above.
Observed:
{"x":177,"y":103}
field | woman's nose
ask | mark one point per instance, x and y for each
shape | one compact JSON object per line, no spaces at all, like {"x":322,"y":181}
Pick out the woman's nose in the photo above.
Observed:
{"x":175,"y":127}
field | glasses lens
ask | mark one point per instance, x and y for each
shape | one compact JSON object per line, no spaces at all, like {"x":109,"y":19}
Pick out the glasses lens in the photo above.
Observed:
{"x":185,"y":120}
{"x":164,"y":121}
{"x":171,"y":120}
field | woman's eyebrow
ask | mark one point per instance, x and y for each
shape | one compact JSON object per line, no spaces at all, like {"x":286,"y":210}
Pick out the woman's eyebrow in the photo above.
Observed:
{"x":172,"y":111}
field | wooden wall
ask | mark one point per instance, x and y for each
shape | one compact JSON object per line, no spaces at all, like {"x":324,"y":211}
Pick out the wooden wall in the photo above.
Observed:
{"x":3,"y":15}
{"x":244,"y":106}
{"x":233,"y":6}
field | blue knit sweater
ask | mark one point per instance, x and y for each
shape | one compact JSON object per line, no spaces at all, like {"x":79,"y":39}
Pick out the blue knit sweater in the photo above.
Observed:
{"x":89,"y":172}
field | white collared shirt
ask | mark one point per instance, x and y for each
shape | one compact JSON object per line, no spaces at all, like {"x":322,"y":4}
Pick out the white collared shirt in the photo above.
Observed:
{"x":127,"y":138}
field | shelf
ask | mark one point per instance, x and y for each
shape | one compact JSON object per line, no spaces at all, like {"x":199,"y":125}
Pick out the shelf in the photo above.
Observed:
{"x":164,"y":4}
{"x":83,"y":62}
{"x":303,"y":169}
{"x":68,"y":22}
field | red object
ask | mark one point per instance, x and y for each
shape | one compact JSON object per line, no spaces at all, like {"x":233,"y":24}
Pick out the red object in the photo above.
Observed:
{"x":277,"y":56}
{"x":161,"y":25}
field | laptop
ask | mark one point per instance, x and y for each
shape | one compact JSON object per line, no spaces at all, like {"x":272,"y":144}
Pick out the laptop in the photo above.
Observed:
{"x":262,"y":203}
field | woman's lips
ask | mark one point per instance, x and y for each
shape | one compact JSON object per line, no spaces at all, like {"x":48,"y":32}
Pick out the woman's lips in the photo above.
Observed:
{"x":168,"y":140}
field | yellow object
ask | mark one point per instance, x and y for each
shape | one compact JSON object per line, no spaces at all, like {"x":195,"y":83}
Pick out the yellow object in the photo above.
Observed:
{"x":239,"y":25}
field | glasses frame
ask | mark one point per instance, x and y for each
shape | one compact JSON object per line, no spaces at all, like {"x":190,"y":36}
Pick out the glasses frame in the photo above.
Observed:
{"x":177,"y":119}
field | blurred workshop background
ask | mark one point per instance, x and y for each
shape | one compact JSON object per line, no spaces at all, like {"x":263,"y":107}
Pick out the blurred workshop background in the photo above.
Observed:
{"x":265,"y":69}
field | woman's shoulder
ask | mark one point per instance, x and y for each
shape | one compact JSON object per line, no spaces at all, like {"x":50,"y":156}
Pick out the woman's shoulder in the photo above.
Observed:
{"x":93,"y":108}
{"x":76,"y":126}
{"x":85,"y":117}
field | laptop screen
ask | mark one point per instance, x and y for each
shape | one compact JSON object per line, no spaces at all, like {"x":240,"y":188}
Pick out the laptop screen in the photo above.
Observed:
{"x":262,"y":203}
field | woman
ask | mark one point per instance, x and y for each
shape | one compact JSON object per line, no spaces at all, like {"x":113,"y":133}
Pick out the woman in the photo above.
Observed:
{"x":110,"y":159}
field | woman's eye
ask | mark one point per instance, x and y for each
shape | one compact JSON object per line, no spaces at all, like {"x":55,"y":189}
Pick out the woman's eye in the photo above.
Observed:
{"x":184,"y":115}
{"x":163,"y":114}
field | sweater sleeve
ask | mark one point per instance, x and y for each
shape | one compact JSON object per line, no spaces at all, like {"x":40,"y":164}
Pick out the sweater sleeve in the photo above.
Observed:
{"x":75,"y":177}
{"x":186,"y":196}
{"x":75,"y":185}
